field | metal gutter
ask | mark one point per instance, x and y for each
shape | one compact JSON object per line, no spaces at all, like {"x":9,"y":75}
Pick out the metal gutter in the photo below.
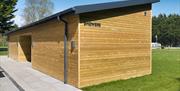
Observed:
{"x":60,"y":18}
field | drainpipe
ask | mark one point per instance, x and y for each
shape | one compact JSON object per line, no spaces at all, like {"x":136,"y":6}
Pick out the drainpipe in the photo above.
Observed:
{"x":60,"y":18}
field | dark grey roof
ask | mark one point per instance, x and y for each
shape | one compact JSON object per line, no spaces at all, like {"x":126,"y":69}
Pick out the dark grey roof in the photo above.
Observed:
{"x":111,"y":5}
{"x":91,"y":8}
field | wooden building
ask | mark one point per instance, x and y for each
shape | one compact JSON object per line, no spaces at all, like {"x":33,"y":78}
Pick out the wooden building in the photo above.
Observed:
{"x":89,"y":44}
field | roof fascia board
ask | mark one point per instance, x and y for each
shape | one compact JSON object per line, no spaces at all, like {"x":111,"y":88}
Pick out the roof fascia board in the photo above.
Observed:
{"x":111,"y":5}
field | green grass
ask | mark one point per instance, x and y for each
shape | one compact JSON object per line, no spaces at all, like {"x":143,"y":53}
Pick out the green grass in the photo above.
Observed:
{"x":3,"y":50}
{"x":3,"y":53}
{"x":165,"y":76}
{"x":3,"y":47}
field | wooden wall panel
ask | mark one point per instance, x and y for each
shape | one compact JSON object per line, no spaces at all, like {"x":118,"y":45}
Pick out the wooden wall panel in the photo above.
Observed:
{"x":119,"y":49}
{"x":50,"y":45}
{"x":48,"y":48}
{"x":73,"y":62}
{"x":13,"y":47}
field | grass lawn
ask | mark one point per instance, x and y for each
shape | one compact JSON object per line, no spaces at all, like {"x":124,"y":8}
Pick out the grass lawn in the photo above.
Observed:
{"x":3,"y":50}
{"x":3,"y":53}
{"x":3,"y":47}
{"x":165,"y":76}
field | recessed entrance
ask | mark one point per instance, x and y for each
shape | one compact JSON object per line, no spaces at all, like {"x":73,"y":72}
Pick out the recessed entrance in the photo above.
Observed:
{"x":25,"y":48}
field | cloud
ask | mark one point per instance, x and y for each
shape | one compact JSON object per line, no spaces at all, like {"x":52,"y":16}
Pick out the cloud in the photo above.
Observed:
{"x":19,"y":20}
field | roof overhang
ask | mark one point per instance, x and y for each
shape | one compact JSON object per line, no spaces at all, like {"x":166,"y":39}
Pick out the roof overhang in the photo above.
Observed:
{"x":111,"y":5}
{"x":90,"y":8}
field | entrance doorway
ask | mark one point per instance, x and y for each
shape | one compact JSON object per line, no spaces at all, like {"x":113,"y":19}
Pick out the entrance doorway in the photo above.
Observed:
{"x":25,"y":48}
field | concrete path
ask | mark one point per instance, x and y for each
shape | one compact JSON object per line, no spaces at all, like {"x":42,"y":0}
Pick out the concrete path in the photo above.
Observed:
{"x":6,"y":84}
{"x":30,"y":79}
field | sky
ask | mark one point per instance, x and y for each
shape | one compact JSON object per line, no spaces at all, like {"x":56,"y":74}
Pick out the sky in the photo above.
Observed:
{"x":164,"y":6}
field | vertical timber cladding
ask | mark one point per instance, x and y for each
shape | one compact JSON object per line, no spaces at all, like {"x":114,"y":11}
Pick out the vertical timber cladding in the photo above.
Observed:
{"x":115,"y":44}
{"x":48,"y":49}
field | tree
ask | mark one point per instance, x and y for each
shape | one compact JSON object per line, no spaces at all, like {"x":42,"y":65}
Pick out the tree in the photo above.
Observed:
{"x":7,"y":9}
{"x":36,"y":10}
{"x":167,"y":29}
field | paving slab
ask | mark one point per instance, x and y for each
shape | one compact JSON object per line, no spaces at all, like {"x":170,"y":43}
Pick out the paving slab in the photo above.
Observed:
{"x":30,"y":79}
{"x":6,"y":84}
